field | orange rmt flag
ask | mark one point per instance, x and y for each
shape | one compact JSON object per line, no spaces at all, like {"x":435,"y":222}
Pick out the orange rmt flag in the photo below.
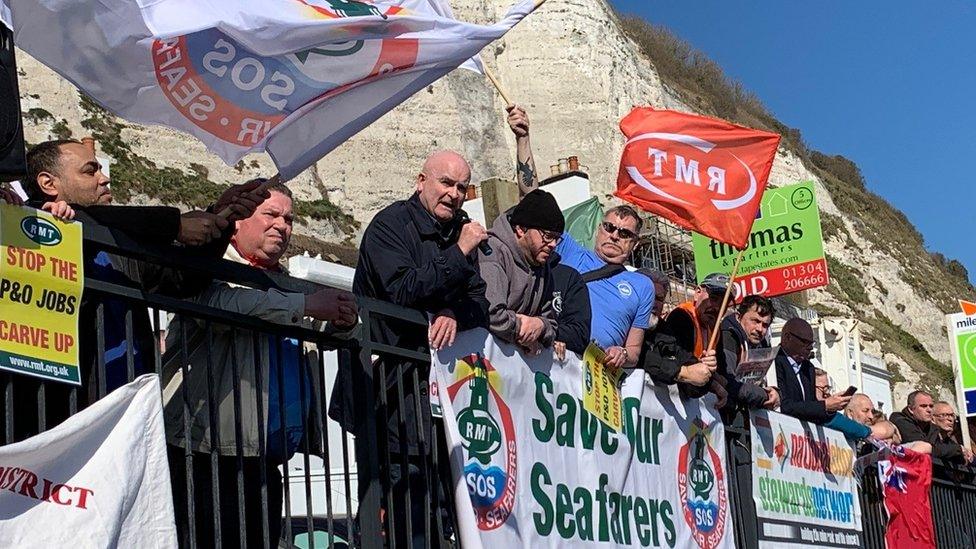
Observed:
{"x":703,"y":174}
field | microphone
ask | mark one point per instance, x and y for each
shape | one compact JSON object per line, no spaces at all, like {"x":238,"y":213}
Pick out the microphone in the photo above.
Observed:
{"x":461,"y":218}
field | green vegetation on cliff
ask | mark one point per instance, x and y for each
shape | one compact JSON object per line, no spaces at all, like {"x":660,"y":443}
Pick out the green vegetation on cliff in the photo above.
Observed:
{"x":136,"y":174}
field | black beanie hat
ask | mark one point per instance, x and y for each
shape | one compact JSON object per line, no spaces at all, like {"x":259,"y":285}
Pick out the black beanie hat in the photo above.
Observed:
{"x":538,"y":210}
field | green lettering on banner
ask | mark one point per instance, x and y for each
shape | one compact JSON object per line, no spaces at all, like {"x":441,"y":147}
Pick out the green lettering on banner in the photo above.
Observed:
{"x":543,"y":521}
{"x":601,"y":498}
{"x":564,"y":512}
{"x":667,"y":514}
{"x":565,"y":420}
{"x":543,"y":432}
{"x":641,"y":522}
{"x":584,"y":513}
{"x":569,"y":511}
{"x":615,"y":517}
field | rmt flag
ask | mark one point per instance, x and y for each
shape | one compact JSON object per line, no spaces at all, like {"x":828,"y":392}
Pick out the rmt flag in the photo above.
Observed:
{"x":703,"y":174}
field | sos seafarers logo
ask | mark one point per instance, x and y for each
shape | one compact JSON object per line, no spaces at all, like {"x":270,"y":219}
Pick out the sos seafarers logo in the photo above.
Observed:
{"x":488,"y":436}
{"x":701,"y":486}
{"x":239,"y":97}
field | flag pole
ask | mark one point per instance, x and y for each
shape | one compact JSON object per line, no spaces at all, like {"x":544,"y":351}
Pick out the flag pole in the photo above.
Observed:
{"x":491,"y":75}
{"x":725,"y":301}
{"x":274,"y":180}
{"x":498,"y":86}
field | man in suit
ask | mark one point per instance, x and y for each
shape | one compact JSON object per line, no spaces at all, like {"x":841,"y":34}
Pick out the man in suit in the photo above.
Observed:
{"x":795,"y":375}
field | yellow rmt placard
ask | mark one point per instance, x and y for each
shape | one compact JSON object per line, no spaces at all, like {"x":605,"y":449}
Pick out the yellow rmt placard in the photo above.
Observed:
{"x":601,"y":388}
{"x":41,"y":279}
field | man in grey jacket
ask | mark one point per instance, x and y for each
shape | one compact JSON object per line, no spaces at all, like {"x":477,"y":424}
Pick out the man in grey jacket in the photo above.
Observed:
{"x":271,"y":373}
{"x":517,"y":272}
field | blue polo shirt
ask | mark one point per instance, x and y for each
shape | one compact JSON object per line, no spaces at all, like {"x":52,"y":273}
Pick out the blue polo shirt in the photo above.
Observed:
{"x":618,"y":303}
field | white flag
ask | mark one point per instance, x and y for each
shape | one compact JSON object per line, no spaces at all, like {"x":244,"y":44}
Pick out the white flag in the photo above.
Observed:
{"x":100,"y":479}
{"x":294,"y":78}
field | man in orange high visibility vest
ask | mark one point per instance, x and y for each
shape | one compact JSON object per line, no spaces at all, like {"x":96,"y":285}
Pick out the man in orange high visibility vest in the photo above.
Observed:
{"x":692,"y":322}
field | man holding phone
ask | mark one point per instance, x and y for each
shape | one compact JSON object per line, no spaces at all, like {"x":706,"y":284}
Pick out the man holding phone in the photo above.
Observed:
{"x":795,"y":375}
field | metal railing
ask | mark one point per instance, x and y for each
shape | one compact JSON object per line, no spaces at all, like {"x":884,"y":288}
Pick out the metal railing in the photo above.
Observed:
{"x":953,"y":497}
{"x":345,"y":486}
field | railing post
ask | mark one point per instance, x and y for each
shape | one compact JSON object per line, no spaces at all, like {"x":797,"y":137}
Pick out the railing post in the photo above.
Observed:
{"x":368,"y":443}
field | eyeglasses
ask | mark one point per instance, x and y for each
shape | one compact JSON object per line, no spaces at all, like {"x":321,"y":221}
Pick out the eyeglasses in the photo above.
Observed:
{"x":550,"y":237}
{"x":944,"y":416}
{"x":823,"y":389}
{"x":610,"y":228}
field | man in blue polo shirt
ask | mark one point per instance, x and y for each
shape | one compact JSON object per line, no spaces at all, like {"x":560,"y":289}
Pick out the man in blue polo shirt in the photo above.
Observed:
{"x":621,"y":300}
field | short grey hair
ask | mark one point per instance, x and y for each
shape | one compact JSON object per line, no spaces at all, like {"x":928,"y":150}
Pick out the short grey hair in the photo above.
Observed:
{"x":623,"y":211}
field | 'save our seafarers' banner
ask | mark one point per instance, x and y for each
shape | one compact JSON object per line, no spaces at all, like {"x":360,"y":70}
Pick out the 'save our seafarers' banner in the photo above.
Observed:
{"x":41,"y":279}
{"x":703,"y":174}
{"x":534,"y":469}
{"x":294,"y":78}
{"x":785,"y":252}
{"x":100,"y":479}
{"x":803,"y":484}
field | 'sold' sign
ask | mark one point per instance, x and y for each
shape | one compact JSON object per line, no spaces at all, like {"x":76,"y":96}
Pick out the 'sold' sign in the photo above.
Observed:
{"x":785,"y":252}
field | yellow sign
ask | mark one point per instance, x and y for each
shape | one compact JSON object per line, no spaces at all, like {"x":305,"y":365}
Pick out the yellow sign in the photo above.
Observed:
{"x":601,"y":388}
{"x":41,"y":278}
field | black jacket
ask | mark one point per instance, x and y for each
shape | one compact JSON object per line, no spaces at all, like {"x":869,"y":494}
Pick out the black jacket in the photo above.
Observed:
{"x":663,"y":355}
{"x":794,"y":401}
{"x":408,"y":259}
{"x":912,"y":430}
{"x":731,"y":340}
{"x":571,"y":301}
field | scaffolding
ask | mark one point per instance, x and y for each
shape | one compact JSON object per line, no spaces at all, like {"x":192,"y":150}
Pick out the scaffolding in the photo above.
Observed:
{"x":666,"y":247}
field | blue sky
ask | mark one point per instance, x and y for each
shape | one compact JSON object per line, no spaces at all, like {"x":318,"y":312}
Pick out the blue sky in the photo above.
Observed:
{"x":890,"y":85}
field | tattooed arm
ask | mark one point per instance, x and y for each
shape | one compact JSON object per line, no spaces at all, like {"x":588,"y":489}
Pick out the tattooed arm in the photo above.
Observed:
{"x":525,"y":173}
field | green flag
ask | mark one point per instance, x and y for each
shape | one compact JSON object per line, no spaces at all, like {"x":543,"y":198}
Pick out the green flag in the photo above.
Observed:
{"x":582,"y":220}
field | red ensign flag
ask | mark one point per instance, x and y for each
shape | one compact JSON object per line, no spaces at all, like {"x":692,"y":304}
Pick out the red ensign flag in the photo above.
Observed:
{"x":703,"y":174}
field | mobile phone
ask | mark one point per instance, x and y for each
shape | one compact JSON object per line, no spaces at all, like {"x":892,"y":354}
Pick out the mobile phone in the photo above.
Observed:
{"x":850,"y":391}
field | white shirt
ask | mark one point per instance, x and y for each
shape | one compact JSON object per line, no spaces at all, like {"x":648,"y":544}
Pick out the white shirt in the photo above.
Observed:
{"x":796,"y":370}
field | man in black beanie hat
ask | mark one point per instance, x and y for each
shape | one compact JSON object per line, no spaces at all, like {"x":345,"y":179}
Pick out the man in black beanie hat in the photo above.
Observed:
{"x":518,"y":273}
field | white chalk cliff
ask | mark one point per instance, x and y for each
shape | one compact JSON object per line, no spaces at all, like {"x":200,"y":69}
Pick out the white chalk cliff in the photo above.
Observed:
{"x":572,"y":67}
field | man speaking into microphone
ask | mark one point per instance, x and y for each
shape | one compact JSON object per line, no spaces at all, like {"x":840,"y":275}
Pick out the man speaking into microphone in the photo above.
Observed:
{"x":419,"y":253}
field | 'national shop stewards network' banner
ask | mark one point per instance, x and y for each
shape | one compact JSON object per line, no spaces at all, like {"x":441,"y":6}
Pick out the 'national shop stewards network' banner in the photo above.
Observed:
{"x":41,"y":278}
{"x":535,"y":469}
{"x":785,"y":252}
{"x":803,"y":484}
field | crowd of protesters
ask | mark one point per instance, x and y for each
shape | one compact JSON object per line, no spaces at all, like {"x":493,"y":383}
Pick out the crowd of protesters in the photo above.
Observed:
{"x":525,"y":280}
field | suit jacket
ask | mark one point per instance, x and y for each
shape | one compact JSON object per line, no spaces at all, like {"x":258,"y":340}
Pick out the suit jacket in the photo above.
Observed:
{"x":794,"y":401}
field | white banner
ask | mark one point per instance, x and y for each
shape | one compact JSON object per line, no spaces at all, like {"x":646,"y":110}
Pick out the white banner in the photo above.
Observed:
{"x":294,"y":78}
{"x":100,"y":479}
{"x":543,"y":472}
{"x":803,"y":484}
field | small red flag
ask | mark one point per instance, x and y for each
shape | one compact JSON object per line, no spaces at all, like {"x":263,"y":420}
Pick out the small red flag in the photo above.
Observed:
{"x":703,"y":174}
{"x":906,"y":478}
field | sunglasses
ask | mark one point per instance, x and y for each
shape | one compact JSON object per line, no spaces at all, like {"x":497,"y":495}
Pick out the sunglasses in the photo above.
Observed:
{"x":610,"y":228}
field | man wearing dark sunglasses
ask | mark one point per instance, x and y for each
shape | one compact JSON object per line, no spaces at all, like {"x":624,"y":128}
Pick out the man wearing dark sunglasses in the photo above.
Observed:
{"x":621,"y":300}
{"x":795,"y":376}
{"x":518,"y":273}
